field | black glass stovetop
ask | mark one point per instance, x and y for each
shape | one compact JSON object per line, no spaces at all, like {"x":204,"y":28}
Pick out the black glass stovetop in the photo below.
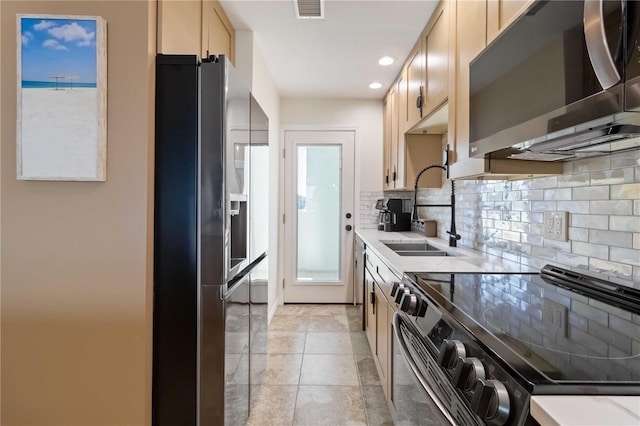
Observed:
{"x":565,"y":326}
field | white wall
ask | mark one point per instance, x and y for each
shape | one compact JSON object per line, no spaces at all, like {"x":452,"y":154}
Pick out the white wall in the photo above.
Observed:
{"x":251,"y":64}
{"x":365,"y":115}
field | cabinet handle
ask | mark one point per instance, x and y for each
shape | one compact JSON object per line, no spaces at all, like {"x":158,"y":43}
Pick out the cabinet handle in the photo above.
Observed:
{"x":372,"y":300}
{"x":387,"y":177}
{"x":419,"y":100}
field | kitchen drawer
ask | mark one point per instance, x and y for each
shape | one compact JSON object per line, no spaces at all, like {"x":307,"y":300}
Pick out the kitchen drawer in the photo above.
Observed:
{"x":382,"y":273}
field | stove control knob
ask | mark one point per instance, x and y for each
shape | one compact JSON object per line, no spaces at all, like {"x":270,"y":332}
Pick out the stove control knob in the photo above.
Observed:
{"x":397,"y":289}
{"x":491,"y":402}
{"x":450,"y":351}
{"x":410,"y":303}
{"x":401,"y":292}
{"x":467,"y":372}
{"x":394,"y":288}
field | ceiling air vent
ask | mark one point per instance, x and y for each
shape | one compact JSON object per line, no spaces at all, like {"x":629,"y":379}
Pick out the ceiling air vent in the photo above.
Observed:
{"x":309,"y":9}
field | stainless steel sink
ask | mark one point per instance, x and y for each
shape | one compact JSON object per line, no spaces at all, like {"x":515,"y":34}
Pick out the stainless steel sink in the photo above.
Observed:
{"x":416,"y":249}
{"x":421,"y":253}
{"x":412,"y":247}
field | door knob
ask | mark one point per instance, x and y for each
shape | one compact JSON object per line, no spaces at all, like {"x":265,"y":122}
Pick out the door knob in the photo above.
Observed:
{"x":348,"y":227}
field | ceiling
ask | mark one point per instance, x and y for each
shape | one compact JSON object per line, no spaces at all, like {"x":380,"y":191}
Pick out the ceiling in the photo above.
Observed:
{"x":334,"y":57}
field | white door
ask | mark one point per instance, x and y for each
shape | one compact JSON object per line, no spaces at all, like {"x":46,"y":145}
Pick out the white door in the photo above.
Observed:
{"x":319,"y":216}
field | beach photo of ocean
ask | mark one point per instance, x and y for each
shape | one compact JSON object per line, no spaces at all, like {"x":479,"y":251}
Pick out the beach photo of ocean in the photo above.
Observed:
{"x":60,"y":125}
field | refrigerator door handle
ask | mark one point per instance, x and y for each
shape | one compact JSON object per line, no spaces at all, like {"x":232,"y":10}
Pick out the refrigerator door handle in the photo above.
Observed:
{"x":233,"y":285}
{"x":241,"y":276}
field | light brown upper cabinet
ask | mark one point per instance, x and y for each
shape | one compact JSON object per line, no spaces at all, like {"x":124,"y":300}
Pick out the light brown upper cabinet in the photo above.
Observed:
{"x":179,"y":27}
{"x":194,"y":27}
{"x":500,"y":13}
{"x":438,"y":69}
{"x":415,"y":86}
{"x":395,"y":133}
{"x":404,"y":155}
{"x":391,"y":133}
{"x":469,"y":30}
{"x":386,"y":141}
{"x":427,"y":68}
{"x":398,"y":141}
{"x":218,"y":36}
{"x":436,"y":52}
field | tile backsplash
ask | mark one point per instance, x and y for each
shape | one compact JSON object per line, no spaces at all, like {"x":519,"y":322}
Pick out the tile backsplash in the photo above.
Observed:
{"x":368,"y":212}
{"x":505,"y":218}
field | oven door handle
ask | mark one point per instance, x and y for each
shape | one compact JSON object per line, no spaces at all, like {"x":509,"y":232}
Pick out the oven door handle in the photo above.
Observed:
{"x":412,"y":364}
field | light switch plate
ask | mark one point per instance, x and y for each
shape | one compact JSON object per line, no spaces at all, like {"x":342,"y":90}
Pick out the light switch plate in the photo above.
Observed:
{"x":555,"y":226}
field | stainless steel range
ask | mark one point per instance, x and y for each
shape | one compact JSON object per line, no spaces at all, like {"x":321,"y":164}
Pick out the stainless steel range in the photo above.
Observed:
{"x":481,"y":344}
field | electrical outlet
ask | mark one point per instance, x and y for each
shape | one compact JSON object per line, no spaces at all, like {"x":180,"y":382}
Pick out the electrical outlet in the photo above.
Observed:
{"x":555,"y":226}
{"x":554,"y":317}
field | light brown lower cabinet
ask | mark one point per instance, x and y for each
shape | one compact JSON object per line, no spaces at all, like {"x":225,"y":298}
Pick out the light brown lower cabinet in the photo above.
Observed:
{"x":380,"y":308}
{"x":382,"y":337}
{"x":370,"y":318}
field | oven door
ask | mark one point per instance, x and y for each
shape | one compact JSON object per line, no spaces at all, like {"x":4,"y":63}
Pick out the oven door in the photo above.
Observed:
{"x":413,"y":397}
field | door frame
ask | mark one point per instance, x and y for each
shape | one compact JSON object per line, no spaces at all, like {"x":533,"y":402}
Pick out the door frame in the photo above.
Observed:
{"x":281,"y":210}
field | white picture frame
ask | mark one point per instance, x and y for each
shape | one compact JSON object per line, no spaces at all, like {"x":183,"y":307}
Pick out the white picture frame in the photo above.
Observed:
{"x":61,"y":97}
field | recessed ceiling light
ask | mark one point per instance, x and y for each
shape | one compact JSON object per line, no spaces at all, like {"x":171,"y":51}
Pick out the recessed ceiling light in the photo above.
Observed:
{"x":375,"y":85}
{"x":386,"y":60}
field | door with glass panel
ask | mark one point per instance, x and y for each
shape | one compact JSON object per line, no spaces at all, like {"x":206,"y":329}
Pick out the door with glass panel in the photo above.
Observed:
{"x":319,"y":216}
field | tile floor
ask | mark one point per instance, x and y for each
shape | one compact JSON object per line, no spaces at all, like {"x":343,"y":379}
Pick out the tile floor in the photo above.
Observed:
{"x":317,"y":370}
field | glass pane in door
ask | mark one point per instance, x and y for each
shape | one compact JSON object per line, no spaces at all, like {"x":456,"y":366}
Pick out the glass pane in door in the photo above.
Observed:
{"x":319,"y":192}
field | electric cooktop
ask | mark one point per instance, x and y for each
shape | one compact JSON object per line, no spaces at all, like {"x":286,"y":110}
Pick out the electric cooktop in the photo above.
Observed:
{"x":556,"y":327}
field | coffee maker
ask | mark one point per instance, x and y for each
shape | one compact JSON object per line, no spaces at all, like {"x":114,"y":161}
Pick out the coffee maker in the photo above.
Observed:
{"x":391,"y":217}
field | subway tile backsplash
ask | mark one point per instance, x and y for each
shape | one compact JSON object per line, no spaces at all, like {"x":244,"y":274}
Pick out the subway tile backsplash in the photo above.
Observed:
{"x":368,"y":212}
{"x":504,"y":218}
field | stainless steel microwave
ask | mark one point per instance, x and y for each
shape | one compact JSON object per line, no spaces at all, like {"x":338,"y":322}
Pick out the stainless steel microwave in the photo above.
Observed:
{"x":561,"y":82}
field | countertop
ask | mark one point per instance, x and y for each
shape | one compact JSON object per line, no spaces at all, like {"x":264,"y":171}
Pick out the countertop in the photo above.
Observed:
{"x":586,"y":410}
{"x":459,"y":260}
{"x":565,"y":410}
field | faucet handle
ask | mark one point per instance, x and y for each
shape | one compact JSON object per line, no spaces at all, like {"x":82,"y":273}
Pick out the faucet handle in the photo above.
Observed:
{"x":454,"y":235}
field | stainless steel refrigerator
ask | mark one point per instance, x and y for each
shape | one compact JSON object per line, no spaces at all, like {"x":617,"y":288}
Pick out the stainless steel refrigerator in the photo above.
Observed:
{"x":207,"y":251}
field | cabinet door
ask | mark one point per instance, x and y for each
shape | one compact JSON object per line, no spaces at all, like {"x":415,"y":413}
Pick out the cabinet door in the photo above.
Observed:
{"x":500,"y":13}
{"x":436,"y":47}
{"x":470,"y":35}
{"x":395,"y":132}
{"x":370,"y":320}
{"x":386,"y":143}
{"x":179,"y":29}
{"x":402,"y":121}
{"x":390,"y":312}
{"x":382,"y":336}
{"x":218,"y":35}
{"x":415,"y":99}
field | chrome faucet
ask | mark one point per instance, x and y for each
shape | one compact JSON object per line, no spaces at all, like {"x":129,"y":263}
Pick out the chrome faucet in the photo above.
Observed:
{"x":453,"y":236}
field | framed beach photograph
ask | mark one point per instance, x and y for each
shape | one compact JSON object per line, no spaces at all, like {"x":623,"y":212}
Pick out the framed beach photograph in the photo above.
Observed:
{"x":62,"y":98}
